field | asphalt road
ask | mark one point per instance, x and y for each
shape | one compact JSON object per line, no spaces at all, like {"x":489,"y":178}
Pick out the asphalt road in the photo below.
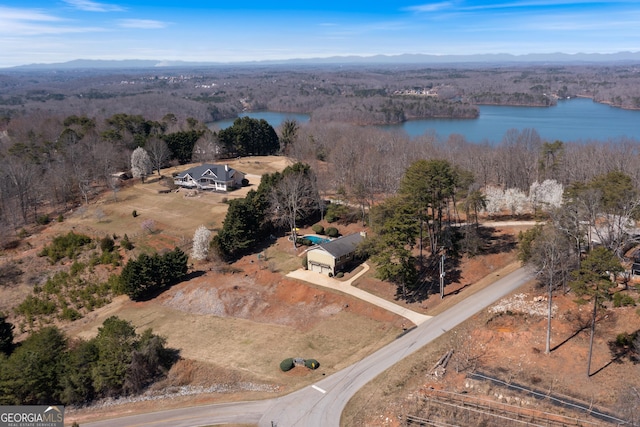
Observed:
{"x":322,"y":403}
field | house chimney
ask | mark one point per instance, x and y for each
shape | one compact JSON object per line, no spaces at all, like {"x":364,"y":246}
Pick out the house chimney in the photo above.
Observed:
{"x":226,"y":167}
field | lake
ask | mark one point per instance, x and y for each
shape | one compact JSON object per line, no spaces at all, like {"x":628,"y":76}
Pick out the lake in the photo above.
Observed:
{"x":275,"y":119}
{"x":578,"y":119}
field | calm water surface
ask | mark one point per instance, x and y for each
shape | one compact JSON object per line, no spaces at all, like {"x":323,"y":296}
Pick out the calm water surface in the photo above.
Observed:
{"x":273,"y":118}
{"x":580,"y":120}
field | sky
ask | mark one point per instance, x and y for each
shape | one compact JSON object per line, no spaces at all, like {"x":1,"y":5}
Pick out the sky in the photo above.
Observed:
{"x":51,"y":31}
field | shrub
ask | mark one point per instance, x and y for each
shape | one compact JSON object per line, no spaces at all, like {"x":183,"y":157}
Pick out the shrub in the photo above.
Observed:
{"x":70,"y":314}
{"x":134,"y":213}
{"x":67,"y":245}
{"x":107,"y":244}
{"x":60,"y":218}
{"x":624,"y":339}
{"x":126,"y":243}
{"x":623,"y":300}
{"x":318,"y":229}
{"x":304,"y":241}
{"x":312,"y":363}
{"x":9,"y":273}
{"x":245,"y":182}
{"x":43,"y":219}
{"x":114,"y":284}
{"x":287,"y":364}
{"x":330,"y":217}
{"x":77,"y":268}
{"x":332,"y":232}
{"x":112,"y":258}
{"x":336,"y":212}
{"x":10,"y":244}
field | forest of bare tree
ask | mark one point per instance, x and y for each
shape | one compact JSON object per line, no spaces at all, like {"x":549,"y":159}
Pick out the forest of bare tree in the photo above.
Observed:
{"x":64,"y":134}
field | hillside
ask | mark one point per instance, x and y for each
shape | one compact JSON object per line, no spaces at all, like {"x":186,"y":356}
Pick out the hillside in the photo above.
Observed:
{"x":225,"y":320}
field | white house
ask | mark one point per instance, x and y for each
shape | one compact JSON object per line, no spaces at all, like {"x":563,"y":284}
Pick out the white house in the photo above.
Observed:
{"x":210,"y":177}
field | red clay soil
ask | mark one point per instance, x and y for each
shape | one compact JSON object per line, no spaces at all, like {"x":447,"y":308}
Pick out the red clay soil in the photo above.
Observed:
{"x":255,"y":293}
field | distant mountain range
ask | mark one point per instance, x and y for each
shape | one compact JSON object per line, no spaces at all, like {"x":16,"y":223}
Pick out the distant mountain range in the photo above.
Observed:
{"x":480,"y":59}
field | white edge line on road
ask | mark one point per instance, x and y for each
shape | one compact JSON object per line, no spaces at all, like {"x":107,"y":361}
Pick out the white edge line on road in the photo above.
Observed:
{"x":319,"y":389}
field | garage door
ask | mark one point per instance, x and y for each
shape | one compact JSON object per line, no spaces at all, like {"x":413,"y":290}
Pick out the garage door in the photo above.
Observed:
{"x":319,"y":268}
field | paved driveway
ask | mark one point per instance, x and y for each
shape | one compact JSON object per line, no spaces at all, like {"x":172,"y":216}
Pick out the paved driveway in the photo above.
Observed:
{"x":348,"y":288}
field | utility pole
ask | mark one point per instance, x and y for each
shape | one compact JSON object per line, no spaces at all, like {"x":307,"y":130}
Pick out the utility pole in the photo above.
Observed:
{"x":442,"y":277}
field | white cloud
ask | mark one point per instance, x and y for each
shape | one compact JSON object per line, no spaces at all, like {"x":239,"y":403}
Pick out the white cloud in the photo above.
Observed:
{"x":23,"y":29}
{"x":92,"y":6}
{"x":430,"y":7}
{"x":13,"y":14}
{"x":145,"y":24}
{"x":32,"y":22}
{"x":534,"y":4}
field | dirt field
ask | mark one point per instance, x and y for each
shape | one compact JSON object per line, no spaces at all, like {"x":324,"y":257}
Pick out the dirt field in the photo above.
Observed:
{"x":510,"y":345}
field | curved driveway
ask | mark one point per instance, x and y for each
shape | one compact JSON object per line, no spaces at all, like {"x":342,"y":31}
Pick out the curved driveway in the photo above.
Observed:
{"x":346,"y":287}
{"x":322,"y":403}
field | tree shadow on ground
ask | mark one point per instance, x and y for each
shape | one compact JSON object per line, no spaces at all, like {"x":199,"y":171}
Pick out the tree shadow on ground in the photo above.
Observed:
{"x":569,"y":338}
{"x":489,"y":242}
{"x":581,"y":321}
{"x":626,"y":345}
{"x":494,"y":243}
{"x":148,"y":296}
{"x":429,"y":278}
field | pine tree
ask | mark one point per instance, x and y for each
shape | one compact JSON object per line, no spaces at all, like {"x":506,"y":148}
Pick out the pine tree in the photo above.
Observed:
{"x":592,"y":283}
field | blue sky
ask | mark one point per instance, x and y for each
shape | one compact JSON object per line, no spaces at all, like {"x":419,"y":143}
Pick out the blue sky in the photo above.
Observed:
{"x":48,"y":31}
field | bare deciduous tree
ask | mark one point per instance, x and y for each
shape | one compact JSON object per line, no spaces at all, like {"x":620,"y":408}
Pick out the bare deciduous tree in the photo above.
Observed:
{"x":292,"y":198}
{"x":206,"y":148}
{"x":158,"y":152}
{"x":551,"y":260}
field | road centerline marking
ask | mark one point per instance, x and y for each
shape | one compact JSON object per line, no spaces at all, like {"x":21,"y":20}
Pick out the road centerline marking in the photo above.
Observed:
{"x":319,"y":389}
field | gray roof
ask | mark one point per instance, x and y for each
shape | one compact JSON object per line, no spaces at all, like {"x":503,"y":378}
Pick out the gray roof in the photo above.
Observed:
{"x":343,"y":245}
{"x":197,"y":172}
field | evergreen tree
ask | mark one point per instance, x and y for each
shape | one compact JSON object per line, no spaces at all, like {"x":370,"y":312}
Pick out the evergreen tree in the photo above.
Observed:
{"x":240,"y":230}
{"x":6,"y":335}
{"x":115,"y":342}
{"x":181,"y":144}
{"x":77,"y":382}
{"x":592,"y":283}
{"x":33,"y":374}
{"x":391,"y":249}
{"x":249,"y":137}
{"x":148,"y":274}
{"x":177,"y":262}
{"x":429,"y":185}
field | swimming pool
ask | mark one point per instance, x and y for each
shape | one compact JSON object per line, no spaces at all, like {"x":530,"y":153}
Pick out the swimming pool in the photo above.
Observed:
{"x":316,"y":240}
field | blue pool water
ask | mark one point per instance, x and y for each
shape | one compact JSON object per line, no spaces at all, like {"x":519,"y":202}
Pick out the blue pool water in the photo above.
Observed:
{"x":316,"y":240}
